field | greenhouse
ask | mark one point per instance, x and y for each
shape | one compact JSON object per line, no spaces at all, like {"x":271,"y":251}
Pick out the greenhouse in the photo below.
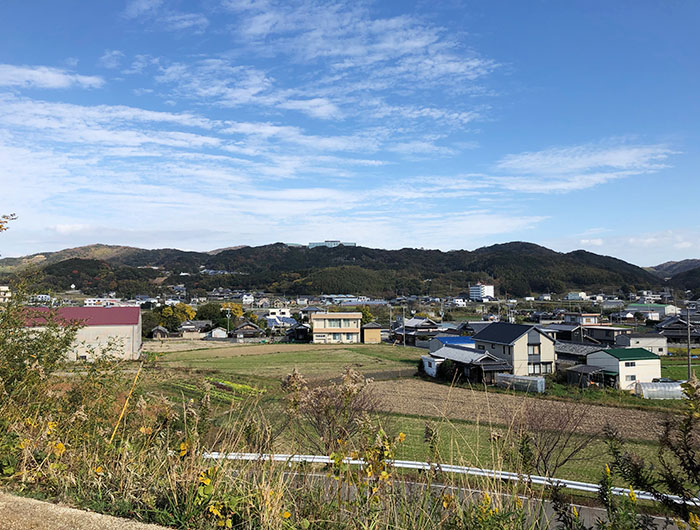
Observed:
{"x":659,"y":390}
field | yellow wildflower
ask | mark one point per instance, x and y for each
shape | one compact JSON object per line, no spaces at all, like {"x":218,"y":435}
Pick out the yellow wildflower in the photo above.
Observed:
{"x":633,"y":497}
{"x":51,"y":426}
{"x":58,"y":448}
{"x":25,"y":443}
{"x":229,"y":524}
{"x":402,"y":437}
{"x":607,"y":469}
{"x":574,"y":511}
{"x":286,"y":514}
{"x":184,"y":446}
{"x":204,"y":479}
{"x":145,"y":430}
{"x":99,"y":470}
{"x":215,"y":510}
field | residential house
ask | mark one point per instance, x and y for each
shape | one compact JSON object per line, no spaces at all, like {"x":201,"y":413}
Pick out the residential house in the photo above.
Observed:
{"x":336,"y":328}
{"x":475,"y":365}
{"x":605,"y":334}
{"x":279,"y":312}
{"x":675,"y":329}
{"x":371,"y":333}
{"x":247,"y":330}
{"x":115,"y":331}
{"x":217,"y":333}
{"x":416,"y":329}
{"x":300,"y":332}
{"x":572,"y":352}
{"x":159,"y":332}
{"x":527,"y":349}
{"x":654,"y":342}
{"x":632,"y":365}
{"x":582,"y":319}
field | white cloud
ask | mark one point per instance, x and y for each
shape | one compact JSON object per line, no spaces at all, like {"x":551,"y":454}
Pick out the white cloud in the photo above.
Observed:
{"x":595,"y":242}
{"x":45,"y":77}
{"x":138,"y":8}
{"x":111,"y":59}
{"x":566,"y":169}
{"x":183,"y":21}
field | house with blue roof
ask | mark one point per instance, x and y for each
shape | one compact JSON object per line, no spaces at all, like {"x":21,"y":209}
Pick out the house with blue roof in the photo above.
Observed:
{"x":438,"y":342}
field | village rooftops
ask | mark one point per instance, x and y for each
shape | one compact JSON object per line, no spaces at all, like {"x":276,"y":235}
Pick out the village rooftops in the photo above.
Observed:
{"x":631,"y":354}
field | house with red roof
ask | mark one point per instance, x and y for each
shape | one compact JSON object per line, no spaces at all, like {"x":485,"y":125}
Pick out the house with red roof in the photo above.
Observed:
{"x":117,"y":328}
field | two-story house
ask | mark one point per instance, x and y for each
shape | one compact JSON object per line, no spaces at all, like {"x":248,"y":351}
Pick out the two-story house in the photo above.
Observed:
{"x":336,"y":328}
{"x":527,"y":349}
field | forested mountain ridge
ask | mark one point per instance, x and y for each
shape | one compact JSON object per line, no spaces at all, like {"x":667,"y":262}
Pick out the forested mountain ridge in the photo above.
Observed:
{"x":672,"y":268}
{"x":516,"y":268}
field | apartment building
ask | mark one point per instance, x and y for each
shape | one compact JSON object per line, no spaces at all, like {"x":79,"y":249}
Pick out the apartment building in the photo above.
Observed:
{"x":336,"y":328}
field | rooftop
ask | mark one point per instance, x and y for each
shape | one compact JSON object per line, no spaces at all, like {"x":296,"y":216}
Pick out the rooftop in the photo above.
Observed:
{"x":87,"y":316}
{"x":631,"y":354}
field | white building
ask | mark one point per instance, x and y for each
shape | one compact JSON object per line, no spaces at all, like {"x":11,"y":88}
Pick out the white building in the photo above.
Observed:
{"x":116,"y":329}
{"x":279,"y":312}
{"x":576,"y":296}
{"x":101,"y":302}
{"x":632,"y":365}
{"x":479,"y":291}
{"x":5,"y":294}
{"x":336,"y":328}
{"x":653,"y":342}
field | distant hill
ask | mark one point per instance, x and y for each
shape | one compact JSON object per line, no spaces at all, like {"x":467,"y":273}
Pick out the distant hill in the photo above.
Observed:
{"x":672,"y":268}
{"x":103,"y":252}
{"x":516,"y":268}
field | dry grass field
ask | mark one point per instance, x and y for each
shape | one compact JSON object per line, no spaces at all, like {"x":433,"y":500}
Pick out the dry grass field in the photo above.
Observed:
{"x":425,"y":398}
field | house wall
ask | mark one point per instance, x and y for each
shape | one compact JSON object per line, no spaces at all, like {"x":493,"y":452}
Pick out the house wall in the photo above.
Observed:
{"x":643,"y":370}
{"x":372,"y":336}
{"x":657,"y":345}
{"x":517,"y":353}
{"x":346,"y":331}
{"x":91,"y":340}
{"x":430,"y":365}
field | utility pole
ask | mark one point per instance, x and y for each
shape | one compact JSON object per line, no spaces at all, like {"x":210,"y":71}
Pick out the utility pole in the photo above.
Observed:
{"x":690,"y":370}
{"x":228,"y":320}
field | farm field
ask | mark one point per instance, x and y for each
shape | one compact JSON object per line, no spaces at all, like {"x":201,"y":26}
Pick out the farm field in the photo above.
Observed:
{"x":676,"y":367}
{"x":465,"y":419}
{"x":316,"y":361}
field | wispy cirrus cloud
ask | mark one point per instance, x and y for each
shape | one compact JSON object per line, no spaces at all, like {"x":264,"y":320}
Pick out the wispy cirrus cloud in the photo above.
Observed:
{"x":111,"y":59}
{"x":45,"y":77}
{"x":566,"y":169}
{"x":159,"y":11}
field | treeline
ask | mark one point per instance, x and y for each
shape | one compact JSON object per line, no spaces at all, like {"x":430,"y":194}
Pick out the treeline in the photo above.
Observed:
{"x":517,"y":269}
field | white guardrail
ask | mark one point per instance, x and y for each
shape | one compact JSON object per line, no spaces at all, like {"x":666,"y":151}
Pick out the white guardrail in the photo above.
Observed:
{"x":445,"y":468}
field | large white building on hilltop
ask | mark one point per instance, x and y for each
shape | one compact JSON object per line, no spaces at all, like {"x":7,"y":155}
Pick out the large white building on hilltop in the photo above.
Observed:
{"x":332,"y":243}
{"x":479,"y":291}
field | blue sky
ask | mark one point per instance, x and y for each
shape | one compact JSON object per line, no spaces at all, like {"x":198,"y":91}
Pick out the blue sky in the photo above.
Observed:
{"x":212,"y":123}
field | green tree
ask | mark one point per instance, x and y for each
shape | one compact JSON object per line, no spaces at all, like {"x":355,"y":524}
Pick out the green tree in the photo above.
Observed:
{"x":209,"y":311}
{"x":367,"y":315}
{"x":149,"y":320}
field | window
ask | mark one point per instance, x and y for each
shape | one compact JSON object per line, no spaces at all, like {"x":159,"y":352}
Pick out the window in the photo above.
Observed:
{"x":534,"y":369}
{"x":347,"y":323}
{"x":546,"y":368}
{"x":430,"y":365}
{"x":349,"y":336}
{"x":336,"y":336}
{"x":481,"y":347}
{"x":333,"y":323}
{"x":661,"y":350}
{"x":630,"y":378}
{"x":533,"y":349}
{"x":629,"y":364}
